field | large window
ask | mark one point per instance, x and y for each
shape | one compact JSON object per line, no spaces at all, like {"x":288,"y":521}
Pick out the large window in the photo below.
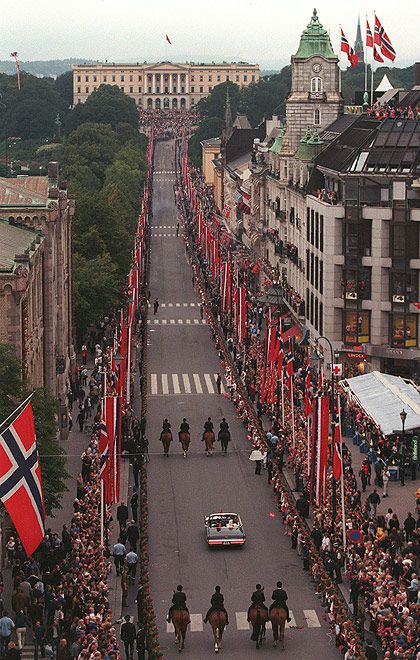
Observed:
{"x":316,"y":84}
{"x":404,"y":330}
{"x":356,"y":327}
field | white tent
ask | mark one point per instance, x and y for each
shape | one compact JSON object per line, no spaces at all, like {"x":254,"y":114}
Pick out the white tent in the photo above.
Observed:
{"x":383,"y":397}
{"x":384,"y":85}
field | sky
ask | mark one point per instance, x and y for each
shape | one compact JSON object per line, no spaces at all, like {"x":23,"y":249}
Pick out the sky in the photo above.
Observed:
{"x":265,"y":32}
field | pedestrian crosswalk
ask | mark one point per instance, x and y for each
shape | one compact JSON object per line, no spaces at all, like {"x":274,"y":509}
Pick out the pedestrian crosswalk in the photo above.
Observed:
{"x":306,"y":619}
{"x":181,"y":384}
{"x":163,"y":235}
{"x":177,"y":304}
{"x":164,"y":172}
{"x":155,"y":227}
{"x":176,"y":322}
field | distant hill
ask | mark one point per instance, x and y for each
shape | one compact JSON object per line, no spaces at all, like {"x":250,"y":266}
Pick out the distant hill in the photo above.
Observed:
{"x":269,"y":72}
{"x":42,"y":68}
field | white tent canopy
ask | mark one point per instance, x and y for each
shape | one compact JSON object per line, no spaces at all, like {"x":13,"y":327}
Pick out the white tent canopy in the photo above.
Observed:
{"x":384,"y":85}
{"x":383,"y":397}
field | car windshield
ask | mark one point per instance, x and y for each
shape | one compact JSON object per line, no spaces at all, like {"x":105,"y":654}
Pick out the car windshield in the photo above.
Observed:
{"x":224,"y":521}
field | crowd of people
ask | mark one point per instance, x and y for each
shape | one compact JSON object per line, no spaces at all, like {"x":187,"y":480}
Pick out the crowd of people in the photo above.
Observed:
{"x":168,"y":124}
{"x":388,"y":111}
{"x":382,"y":569}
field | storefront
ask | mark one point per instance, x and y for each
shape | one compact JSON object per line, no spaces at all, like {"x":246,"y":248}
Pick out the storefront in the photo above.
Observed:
{"x":355,"y":362}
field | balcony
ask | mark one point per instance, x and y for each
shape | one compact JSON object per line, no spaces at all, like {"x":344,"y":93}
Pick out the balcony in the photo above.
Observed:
{"x":317,"y":96}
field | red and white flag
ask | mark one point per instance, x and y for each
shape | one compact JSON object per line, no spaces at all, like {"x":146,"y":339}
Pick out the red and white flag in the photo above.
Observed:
{"x":319,"y":448}
{"x":382,"y":40}
{"x":377,"y":56}
{"x":20,"y":479}
{"x":168,"y":40}
{"x":369,"y":35}
{"x":337,"y":458}
{"x":346,"y":48}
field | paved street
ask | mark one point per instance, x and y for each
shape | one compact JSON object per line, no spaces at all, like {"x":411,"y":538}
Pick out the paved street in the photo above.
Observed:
{"x":182,"y":364}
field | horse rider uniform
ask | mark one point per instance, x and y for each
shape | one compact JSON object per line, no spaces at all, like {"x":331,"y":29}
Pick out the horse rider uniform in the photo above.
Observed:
{"x":279,"y":597}
{"x":208,"y":426}
{"x":257,"y":600}
{"x":185,"y":427}
{"x":224,"y":426}
{"x":217,"y":604}
{"x":179,"y":602}
{"x":166,"y":426}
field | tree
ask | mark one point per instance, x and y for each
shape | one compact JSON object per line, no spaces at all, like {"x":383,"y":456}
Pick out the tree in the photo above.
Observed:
{"x":108,"y":105}
{"x":96,"y":289}
{"x":209,"y":128}
{"x":52,"y":456}
{"x":214,"y":105}
{"x":91,"y":145}
{"x":64,"y":86}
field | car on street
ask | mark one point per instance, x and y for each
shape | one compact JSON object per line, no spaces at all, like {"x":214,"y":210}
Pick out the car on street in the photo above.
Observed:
{"x":224,"y":529}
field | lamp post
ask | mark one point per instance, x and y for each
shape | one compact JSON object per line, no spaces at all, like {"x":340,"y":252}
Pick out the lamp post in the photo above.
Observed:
{"x":333,"y":422}
{"x":403,"y":416}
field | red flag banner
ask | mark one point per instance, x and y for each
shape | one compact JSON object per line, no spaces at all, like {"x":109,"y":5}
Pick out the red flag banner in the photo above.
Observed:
{"x":383,"y":41}
{"x":319,"y":448}
{"x":20,"y":479}
{"x":168,"y":40}
{"x":369,"y":35}
{"x":377,"y":56}
{"x":346,"y":48}
{"x":337,"y":458}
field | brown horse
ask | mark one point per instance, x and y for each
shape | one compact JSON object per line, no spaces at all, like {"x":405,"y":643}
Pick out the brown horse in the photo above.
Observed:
{"x":180,"y":619}
{"x":166,"y":438}
{"x":184,"y":438}
{"x":217,"y":620}
{"x":278,"y":616}
{"x":258,"y":617}
{"x":209,"y":440}
{"x":224,"y":438}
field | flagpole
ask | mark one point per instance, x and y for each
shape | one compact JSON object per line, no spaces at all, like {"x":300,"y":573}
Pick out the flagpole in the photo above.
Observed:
{"x":102,"y":512}
{"x":16,"y":409}
{"x":308,"y":443}
{"x":343,"y":510}
{"x":282,"y":398}
{"x":371,"y":85}
{"x":293,"y":412}
{"x":339,"y":62}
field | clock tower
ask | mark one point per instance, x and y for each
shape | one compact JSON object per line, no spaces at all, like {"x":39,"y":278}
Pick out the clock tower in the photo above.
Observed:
{"x":314,"y":101}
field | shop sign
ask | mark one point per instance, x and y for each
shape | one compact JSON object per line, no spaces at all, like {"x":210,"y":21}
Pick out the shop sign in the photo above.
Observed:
{"x":352,"y":355}
{"x":415,"y":448}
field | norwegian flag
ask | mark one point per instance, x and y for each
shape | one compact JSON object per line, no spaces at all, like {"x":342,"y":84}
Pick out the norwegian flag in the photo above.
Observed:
{"x":346,"y":48}
{"x":369,"y":35}
{"x":20,"y":479}
{"x":337,"y":458}
{"x":377,"y":56}
{"x":168,"y":40}
{"x":290,"y":369}
{"x":382,"y":40}
{"x":307,"y":380}
{"x":226,"y":211}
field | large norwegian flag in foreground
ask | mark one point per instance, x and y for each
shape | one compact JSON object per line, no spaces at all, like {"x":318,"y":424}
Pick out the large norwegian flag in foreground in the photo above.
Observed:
{"x":20,"y":480}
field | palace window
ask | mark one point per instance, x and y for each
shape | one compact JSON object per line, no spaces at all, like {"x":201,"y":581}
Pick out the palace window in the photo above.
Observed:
{"x":79,"y":89}
{"x":245,"y":78}
{"x":201,"y":78}
{"x":316,"y":84}
{"x":253,"y":78}
{"x":87,"y":78}
{"x":94,"y":78}
{"x":237,"y":78}
{"x":139,"y":78}
{"x":356,"y":328}
{"x":403,"y":330}
{"x":209,"y":78}
{"x":87,"y":90}
{"x":113,"y":78}
{"x":131,"y":78}
{"x":104,"y":78}
{"x":122,"y":78}
{"x":192,"y":89}
{"x":201,"y":90}
{"x":218,"y":78}
{"x":78,"y":78}
{"x":131,"y":89}
{"x":139,"y":90}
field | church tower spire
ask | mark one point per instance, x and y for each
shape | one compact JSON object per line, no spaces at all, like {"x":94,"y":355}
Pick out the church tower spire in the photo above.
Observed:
{"x":358,"y":44}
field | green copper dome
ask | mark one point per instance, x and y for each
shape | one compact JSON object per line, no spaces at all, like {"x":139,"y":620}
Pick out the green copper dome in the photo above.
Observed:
{"x":315,"y":41}
{"x":309,"y":146}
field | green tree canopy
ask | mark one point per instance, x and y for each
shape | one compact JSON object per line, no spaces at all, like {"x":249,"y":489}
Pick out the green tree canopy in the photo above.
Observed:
{"x":91,"y":145}
{"x":209,"y":128}
{"x":52,"y":456}
{"x":108,"y":105}
{"x":64,"y":86}
{"x":214,"y":105}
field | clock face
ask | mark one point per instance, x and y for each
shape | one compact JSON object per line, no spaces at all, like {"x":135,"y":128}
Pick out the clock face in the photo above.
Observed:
{"x":316,"y":68}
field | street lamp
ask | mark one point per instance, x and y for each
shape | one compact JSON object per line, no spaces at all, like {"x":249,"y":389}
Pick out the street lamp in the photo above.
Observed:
{"x":403,"y":416}
{"x":333,"y":422}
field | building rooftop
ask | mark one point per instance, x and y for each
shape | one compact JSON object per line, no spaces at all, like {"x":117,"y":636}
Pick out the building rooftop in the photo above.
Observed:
{"x":315,"y":40}
{"x":16,"y":242}
{"x":24,"y":191}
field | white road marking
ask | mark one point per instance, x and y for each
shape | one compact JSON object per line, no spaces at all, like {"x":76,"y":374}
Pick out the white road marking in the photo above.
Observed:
{"x":209,"y":383}
{"x":164,"y":321}
{"x":148,"y":321}
{"x":188,"y":321}
{"x":197,"y":384}
{"x":180,"y":321}
{"x":153,"y":383}
{"x":172,"y":321}
{"x":292,"y":622}
{"x":165,"y":388}
{"x":192,"y":304}
{"x":163,"y":304}
{"x":175,"y":384}
{"x":187,"y":384}
{"x":196,"y":622}
{"x":196,"y":321}
{"x":185,"y":304}
{"x":156,"y":321}
{"x":311,"y":619}
{"x":241,"y":622}
{"x":177,"y":304}
{"x":170,"y":304}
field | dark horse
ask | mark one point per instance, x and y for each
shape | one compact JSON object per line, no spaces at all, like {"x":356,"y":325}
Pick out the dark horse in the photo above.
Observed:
{"x":184,"y":438}
{"x":278,"y":616}
{"x":258,"y":617}
{"x":224,"y":438}
{"x":166,"y":439}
